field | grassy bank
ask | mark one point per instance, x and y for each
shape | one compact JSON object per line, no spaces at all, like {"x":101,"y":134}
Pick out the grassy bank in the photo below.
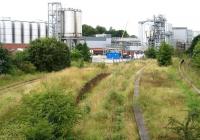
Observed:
{"x":69,"y":80}
{"x":164,"y":94}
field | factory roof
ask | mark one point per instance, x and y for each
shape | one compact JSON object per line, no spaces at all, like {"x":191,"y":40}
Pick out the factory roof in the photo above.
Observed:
{"x":95,"y":38}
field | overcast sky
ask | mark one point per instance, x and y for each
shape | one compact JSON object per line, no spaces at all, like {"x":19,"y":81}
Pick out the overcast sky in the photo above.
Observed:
{"x":115,"y":13}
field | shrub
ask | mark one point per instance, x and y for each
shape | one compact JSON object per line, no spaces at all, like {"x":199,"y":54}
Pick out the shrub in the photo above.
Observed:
{"x":196,"y":55}
{"x":48,"y":54}
{"x":194,"y":43}
{"x":5,"y":61}
{"x":76,"y":55}
{"x":52,"y":111}
{"x":151,"y":52}
{"x":165,"y":55}
{"x":84,"y":51}
{"x":189,"y":129}
{"x":20,"y":59}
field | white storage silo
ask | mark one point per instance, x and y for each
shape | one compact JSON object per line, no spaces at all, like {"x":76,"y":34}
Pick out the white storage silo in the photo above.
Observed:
{"x":69,"y":23}
{"x":26,"y":32}
{"x":42,"y":30}
{"x":34,"y":31}
{"x":8,"y":38}
{"x":17,"y":32}
{"x":78,"y":19}
{"x":1,"y":31}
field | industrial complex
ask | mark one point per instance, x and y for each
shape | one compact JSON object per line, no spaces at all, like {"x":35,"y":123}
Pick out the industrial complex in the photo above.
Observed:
{"x":65,"y":24}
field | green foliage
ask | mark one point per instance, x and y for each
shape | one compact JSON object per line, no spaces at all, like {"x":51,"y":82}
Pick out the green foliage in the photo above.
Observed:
{"x":189,"y":129}
{"x":196,"y":55}
{"x":194,"y":43}
{"x":151,"y":52}
{"x":165,"y":53}
{"x":100,"y":30}
{"x":5,"y":61}
{"x":84,"y":52}
{"x":51,"y":112}
{"x":40,"y":131}
{"x":90,"y":31}
{"x":20,"y":60}
{"x":75,"y":54}
{"x":101,"y":65}
{"x":48,"y":54}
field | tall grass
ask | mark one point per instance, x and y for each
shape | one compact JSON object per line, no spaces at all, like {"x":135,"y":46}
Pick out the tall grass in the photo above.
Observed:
{"x":162,"y":95}
{"x":110,"y":103}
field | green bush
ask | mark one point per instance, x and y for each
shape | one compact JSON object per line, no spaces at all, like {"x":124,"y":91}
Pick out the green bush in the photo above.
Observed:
{"x":189,"y":129}
{"x":48,"y":54}
{"x":196,"y":55}
{"x":75,"y":55}
{"x":84,"y":51}
{"x":41,"y":131}
{"x":165,"y":53}
{"x":194,"y":43}
{"x":5,"y":61}
{"x":20,"y":60}
{"x":52,"y":111}
{"x":151,"y":52}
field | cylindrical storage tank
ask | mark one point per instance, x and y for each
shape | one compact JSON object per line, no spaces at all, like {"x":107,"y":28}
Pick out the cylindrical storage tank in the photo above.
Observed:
{"x":17,"y":32}
{"x":42,"y":30}
{"x":8,"y":38}
{"x":69,"y":23}
{"x":34,"y":31}
{"x":26,"y":32}
{"x":78,"y":21}
{"x":1,"y":31}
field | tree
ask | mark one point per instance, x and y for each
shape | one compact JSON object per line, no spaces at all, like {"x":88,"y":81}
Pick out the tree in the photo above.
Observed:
{"x":151,"y":52}
{"x":48,"y":54}
{"x":165,"y":55}
{"x":84,"y":51}
{"x":100,"y":30}
{"x":194,"y":43}
{"x":196,"y":55}
{"x":5,"y":61}
{"x":88,"y":30}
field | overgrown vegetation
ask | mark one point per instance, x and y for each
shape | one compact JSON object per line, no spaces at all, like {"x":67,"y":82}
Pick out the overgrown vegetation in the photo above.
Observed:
{"x":195,"y":41}
{"x":151,"y":52}
{"x":81,"y":51}
{"x":189,"y":129}
{"x":196,"y":55}
{"x":5,"y":61}
{"x":165,"y":55}
{"x":48,"y":54}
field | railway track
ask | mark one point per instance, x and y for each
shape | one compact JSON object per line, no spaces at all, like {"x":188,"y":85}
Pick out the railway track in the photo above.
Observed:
{"x":143,"y":132}
{"x":20,"y":84}
{"x":186,"y":78}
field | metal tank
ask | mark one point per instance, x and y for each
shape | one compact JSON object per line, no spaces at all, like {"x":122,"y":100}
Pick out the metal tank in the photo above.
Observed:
{"x":8,"y":32}
{"x":78,"y":23}
{"x":17,"y":32}
{"x":42,"y":30}
{"x":34,"y":31}
{"x":26,"y":32}
{"x":1,"y":31}
{"x":69,"y":23}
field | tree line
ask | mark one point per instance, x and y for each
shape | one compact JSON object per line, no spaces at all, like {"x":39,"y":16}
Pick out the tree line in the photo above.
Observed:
{"x":91,"y":31}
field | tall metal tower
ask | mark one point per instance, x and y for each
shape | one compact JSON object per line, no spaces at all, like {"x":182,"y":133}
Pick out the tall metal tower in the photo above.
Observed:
{"x":54,"y":19}
{"x":157,"y":30}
